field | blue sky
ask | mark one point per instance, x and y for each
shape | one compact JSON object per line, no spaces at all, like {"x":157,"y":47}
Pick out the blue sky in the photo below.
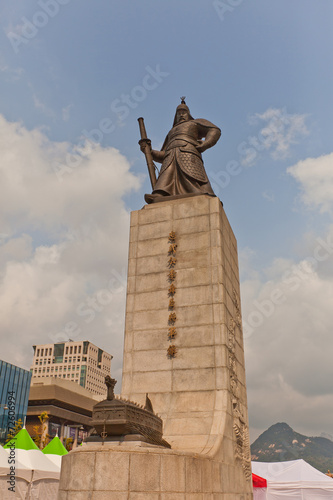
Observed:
{"x":260,"y":70}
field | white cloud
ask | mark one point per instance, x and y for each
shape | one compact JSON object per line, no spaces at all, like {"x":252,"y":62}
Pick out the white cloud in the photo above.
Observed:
{"x":43,"y":107}
{"x":250,"y":155}
{"x":66,"y":112}
{"x":11,"y":74}
{"x":268,"y":196}
{"x":278,"y":133}
{"x":288,"y":317}
{"x":15,"y":249}
{"x":63,"y":245}
{"x":315,"y":176}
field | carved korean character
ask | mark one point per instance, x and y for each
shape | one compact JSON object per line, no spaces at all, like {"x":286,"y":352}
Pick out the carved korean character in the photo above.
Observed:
{"x":172,"y":237}
{"x":172,"y":249}
{"x":172,"y":318}
{"x":172,"y":262}
{"x":172,"y":350}
{"x":172,"y":303}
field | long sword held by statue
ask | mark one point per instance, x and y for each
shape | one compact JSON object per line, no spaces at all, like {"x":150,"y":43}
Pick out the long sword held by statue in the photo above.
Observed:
{"x":149,"y":159}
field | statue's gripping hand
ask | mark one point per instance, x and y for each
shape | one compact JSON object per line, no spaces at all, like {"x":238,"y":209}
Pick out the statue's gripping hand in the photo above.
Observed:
{"x":156,"y":155}
{"x":201,"y":146}
{"x":145,"y":144}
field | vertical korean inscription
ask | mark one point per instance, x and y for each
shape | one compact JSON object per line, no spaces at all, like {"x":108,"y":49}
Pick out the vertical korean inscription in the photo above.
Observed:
{"x":172,"y":274}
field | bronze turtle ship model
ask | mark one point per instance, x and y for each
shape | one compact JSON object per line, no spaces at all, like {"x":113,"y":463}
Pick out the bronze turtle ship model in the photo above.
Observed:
{"x":117,"y":419}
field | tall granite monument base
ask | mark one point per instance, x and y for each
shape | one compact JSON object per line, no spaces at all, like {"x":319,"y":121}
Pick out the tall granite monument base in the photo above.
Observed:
{"x":184,"y":347}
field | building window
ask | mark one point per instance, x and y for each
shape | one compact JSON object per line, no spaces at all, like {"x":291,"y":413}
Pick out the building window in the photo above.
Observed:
{"x":71,"y":350}
{"x":69,"y":360}
{"x":79,"y":351}
{"x":83,"y":376}
{"x":42,"y":352}
{"x":37,"y":352}
{"x":66,"y":360}
{"x":75,"y":349}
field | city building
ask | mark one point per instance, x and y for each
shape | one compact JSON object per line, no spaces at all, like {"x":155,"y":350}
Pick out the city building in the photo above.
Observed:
{"x":80,"y":362}
{"x":69,"y":407}
{"x":14,"y":393}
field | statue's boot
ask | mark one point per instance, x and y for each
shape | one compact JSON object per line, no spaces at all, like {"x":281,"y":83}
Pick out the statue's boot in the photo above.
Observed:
{"x":152,"y":198}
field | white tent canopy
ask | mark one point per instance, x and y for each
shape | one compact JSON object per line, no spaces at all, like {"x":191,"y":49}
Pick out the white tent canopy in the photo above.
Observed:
{"x":22,"y":474}
{"x":36,"y":477}
{"x":295,"y":479}
{"x":38,"y":462}
{"x":22,"y":470}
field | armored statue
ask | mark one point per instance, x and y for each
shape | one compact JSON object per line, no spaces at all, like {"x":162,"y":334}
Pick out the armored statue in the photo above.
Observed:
{"x":182,"y":172}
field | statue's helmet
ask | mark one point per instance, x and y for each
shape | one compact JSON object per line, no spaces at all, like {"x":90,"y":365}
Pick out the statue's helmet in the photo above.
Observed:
{"x":182,"y":107}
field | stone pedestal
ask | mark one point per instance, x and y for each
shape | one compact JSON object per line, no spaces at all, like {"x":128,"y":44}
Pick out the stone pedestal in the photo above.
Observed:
{"x":184,"y":347}
{"x":147,"y":473}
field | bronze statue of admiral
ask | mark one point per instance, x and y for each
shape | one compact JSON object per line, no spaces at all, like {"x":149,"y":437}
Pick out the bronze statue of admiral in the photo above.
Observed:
{"x":182,"y":172}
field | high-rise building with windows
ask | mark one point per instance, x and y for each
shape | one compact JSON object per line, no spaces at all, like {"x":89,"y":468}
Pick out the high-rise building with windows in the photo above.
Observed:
{"x":14,"y":394}
{"x":81,"y":362}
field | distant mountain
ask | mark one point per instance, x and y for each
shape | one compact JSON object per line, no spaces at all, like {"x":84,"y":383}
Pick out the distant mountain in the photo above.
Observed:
{"x":280,"y":443}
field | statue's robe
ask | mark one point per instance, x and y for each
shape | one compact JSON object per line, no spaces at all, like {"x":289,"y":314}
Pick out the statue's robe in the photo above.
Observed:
{"x":182,"y":171}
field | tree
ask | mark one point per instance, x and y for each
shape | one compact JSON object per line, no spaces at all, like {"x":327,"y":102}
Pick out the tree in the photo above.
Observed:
{"x":41,"y":437}
{"x":13,"y":431}
{"x":69,"y":444}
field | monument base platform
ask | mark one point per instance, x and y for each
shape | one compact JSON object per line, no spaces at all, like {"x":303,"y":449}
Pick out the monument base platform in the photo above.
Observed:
{"x":184,"y":347}
{"x":130,"y":472}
